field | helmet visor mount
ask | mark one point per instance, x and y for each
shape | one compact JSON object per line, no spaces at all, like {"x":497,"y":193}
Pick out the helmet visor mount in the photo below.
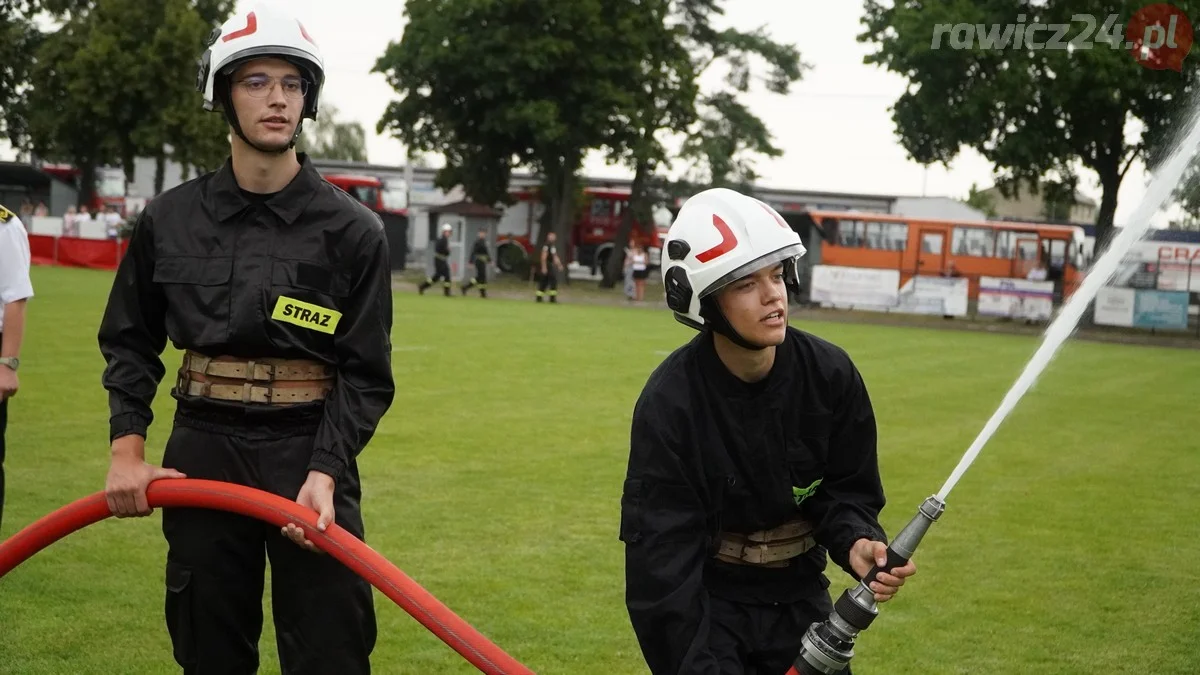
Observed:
{"x":766,"y":260}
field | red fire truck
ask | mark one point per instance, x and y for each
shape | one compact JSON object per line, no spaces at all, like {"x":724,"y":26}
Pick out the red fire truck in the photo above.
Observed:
{"x":110,"y":187}
{"x":591,"y":235}
{"x":374,"y":193}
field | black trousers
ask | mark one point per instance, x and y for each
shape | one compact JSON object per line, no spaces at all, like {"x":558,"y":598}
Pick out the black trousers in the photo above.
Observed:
{"x":762,"y":639}
{"x":480,"y":278}
{"x":548,"y":281}
{"x":3,"y":428}
{"x":441,"y":272}
{"x":324,"y":614}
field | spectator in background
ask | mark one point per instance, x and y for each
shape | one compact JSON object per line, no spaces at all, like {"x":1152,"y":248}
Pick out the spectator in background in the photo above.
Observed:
{"x":15,"y":290}
{"x":628,"y":270}
{"x":641,"y":270}
{"x":71,"y":222}
{"x":41,"y":210}
{"x":112,"y":222}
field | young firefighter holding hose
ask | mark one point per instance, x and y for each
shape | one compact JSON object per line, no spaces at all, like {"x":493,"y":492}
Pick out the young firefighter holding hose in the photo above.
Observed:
{"x":277,"y":287}
{"x":752,"y":455}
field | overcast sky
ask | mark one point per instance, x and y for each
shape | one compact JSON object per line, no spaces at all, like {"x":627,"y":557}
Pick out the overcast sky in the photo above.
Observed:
{"x":834,"y":127}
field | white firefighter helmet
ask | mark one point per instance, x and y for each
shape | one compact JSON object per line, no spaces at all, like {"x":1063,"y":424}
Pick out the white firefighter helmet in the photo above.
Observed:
{"x":264,"y":30}
{"x":720,"y":236}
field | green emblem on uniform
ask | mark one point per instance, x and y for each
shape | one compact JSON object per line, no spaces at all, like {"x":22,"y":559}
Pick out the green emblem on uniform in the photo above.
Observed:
{"x":801,"y":494}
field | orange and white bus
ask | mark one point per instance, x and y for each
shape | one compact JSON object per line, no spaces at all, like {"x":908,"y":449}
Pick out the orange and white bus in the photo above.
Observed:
{"x":929,"y":247}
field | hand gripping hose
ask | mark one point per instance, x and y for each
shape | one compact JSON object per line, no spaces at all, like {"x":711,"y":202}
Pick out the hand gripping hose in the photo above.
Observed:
{"x":347,"y":549}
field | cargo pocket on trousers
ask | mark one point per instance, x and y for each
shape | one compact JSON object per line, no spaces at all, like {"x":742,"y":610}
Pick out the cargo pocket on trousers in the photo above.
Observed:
{"x":179,"y":611}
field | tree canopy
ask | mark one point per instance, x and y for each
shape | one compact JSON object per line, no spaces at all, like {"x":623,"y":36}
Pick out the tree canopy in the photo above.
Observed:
{"x":116,"y":80}
{"x":1038,"y":112}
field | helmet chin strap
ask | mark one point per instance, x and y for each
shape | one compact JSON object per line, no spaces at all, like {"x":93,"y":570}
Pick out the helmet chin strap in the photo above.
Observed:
{"x":716,"y":321}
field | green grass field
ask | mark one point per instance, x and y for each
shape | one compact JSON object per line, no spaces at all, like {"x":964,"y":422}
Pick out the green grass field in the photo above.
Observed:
{"x":495,"y":481}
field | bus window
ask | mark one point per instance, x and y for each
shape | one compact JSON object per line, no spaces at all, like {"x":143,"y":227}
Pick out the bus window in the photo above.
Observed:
{"x":931,"y":242}
{"x":973,"y":241}
{"x":895,"y":236}
{"x":1005,"y":244}
{"x":852,"y":233}
{"x":1027,"y":247}
{"x":874,"y":235}
{"x":1058,"y":252}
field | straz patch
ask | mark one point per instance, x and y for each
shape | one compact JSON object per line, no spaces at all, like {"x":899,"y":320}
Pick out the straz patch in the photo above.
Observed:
{"x":5,"y":215}
{"x":306,"y":315}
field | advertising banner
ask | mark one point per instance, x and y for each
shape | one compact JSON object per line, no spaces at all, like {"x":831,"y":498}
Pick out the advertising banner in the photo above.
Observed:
{"x":1016,"y":298}
{"x":939,"y":296}
{"x":1161,"y":309}
{"x":834,"y":286}
{"x":1114,"y":306}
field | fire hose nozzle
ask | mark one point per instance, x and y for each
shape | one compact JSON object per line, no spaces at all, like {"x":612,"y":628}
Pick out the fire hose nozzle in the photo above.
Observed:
{"x":827,"y":648}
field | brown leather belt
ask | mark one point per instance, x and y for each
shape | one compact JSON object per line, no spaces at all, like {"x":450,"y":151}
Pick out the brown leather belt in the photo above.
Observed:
{"x":270,"y":381}
{"x":767,"y":548}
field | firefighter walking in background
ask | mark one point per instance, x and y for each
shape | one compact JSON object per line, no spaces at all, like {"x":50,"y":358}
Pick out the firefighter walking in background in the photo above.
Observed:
{"x":549,"y":266}
{"x":441,"y":263}
{"x":480,"y":257}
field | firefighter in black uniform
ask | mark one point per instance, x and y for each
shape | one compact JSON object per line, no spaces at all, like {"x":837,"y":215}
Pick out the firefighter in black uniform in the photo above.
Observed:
{"x":479,"y":258}
{"x":549,"y":265}
{"x":277,"y":287}
{"x":441,"y":263}
{"x":752,"y":456}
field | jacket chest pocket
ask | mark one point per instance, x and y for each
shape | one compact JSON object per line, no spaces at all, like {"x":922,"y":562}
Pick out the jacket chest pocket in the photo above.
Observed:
{"x":304,"y":302}
{"x":807,"y":449}
{"x":198,"y":297}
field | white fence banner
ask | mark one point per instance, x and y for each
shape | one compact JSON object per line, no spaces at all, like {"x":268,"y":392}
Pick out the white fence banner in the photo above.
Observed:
{"x":855,"y":287}
{"x":939,"y":296}
{"x":1016,"y":298}
{"x":1114,"y":306}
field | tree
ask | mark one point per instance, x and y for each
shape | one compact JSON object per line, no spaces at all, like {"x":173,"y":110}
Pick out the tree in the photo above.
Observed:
{"x":721,"y":134}
{"x":67,"y":115}
{"x":19,"y":39}
{"x":1036,"y":113}
{"x":181,"y":130}
{"x":328,"y":138}
{"x":491,"y":86}
{"x":117,"y":81}
{"x":982,"y":201}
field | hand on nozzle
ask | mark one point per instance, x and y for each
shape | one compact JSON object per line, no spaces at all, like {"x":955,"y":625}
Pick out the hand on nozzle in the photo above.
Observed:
{"x":866,"y":554}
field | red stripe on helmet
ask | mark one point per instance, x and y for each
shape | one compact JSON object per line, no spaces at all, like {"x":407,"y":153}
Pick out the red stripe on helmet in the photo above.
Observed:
{"x":728,"y":242}
{"x":250,"y":29}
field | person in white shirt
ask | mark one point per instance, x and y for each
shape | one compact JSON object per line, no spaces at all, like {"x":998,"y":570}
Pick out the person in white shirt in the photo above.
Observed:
{"x":15,"y":289}
{"x":112,"y":222}
{"x":641,"y":270}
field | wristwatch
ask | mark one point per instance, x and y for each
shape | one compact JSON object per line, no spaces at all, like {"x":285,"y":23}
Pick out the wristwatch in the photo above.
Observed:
{"x":10,"y":361}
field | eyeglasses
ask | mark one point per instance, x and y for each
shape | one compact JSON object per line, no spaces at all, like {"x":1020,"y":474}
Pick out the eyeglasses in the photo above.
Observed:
{"x":260,"y":86}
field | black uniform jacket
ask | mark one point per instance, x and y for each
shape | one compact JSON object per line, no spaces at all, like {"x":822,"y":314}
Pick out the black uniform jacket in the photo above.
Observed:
{"x":479,"y":252}
{"x":711,"y":453}
{"x":303,"y":274}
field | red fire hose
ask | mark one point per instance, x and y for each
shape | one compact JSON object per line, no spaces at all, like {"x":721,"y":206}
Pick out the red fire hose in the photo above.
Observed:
{"x":335,"y":541}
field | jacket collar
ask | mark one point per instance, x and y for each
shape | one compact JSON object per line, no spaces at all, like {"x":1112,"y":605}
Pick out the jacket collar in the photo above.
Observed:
{"x":287,"y":204}
{"x":728,"y":384}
